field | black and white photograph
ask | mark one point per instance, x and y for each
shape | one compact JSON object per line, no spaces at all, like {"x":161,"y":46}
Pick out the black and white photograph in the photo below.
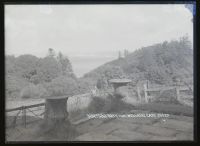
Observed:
{"x":99,"y":72}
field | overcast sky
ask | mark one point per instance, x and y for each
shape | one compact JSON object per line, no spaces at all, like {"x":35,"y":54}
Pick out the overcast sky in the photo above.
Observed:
{"x":91,"y":35}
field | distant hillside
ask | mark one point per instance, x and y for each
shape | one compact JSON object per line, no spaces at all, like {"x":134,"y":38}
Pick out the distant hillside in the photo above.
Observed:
{"x":163,"y":63}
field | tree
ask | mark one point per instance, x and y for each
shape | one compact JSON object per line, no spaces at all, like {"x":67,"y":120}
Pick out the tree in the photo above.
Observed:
{"x":28,"y":69}
{"x":126,"y":53}
{"x":65,"y":65}
{"x":84,"y":85}
{"x":99,"y":84}
{"x":14,"y":85}
{"x":184,"y":42}
{"x":25,"y":66}
{"x":33,"y":91}
{"x":114,"y":72}
{"x":51,"y":52}
{"x":164,"y":44}
{"x":48,"y":69}
{"x":108,"y":73}
{"x":35,"y":79}
{"x":10,"y":64}
{"x":119,"y":55}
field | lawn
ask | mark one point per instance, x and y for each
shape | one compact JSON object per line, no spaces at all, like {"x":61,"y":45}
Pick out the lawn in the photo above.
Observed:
{"x":173,"y":109}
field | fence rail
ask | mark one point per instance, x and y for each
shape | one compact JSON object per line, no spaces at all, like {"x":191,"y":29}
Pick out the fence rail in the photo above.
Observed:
{"x":21,"y":113}
{"x":160,"y":89}
{"x":24,"y":111}
{"x":25,"y":107}
{"x":181,"y":88}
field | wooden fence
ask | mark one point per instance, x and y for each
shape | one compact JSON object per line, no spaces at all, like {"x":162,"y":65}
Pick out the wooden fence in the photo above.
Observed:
{"x":22,"y":112}
{"x":24,"y":115}
{"x":160,"y":89}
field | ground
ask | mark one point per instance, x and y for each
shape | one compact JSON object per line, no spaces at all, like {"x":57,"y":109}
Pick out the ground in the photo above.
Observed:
{"x":137,"y":129}
{"x":170,"y":128}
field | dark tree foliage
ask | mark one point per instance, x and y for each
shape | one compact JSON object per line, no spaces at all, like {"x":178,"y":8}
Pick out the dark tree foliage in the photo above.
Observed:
{"x":62,"y":85}
{"x":111,"y":72}
{"x":65,"y":65}
{"x":48,"y":69}
{"x":158,"y":63}
{"x":28,"y":76}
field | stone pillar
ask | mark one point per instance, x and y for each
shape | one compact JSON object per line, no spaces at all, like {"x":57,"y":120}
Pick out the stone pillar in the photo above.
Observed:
{"x":56,"y":109}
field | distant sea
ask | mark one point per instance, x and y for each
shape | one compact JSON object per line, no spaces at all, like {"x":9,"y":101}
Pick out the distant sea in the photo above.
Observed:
{"x":84,"y":64}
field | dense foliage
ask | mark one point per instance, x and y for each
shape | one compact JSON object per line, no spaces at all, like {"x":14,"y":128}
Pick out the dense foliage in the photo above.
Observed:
{"x":163,"y":63}
{"x":30,"y":77}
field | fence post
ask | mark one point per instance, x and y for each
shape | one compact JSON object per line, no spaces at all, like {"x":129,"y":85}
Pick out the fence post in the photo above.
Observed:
{"x":145,"y":93}
{"x":24,"y":115}
{"x":147,"y":83}
{"x":177,"y":93}
{"x":138,"y":92}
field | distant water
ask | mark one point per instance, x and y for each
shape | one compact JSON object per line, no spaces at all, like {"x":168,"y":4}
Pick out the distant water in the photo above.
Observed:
{"x":84,"y":64}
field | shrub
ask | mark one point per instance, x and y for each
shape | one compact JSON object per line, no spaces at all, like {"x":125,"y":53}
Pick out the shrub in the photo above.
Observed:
{"x":14,"y":85}
{"x":33,"y":91}
{"x":62,"y":85}
{"x":108,"y":104}
{"x":97,"y":105}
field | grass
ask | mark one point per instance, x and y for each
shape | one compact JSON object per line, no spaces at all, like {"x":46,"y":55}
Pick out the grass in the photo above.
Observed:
{"x":19,"y":121}
{"x":28,"y":132}
{"x":110,"y":105}
{"x":173,"y":109}
{"x":39,"y":130}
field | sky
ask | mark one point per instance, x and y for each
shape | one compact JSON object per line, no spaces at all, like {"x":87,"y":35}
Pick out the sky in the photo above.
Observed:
{"x":91,"y":35}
